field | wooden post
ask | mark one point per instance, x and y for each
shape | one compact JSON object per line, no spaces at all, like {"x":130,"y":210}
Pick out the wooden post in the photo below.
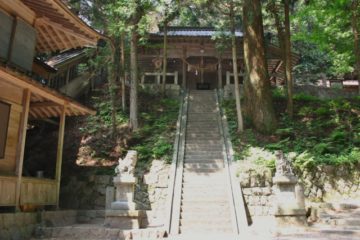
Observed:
{"x":60,"y":154}
{"x":184,"y":66}
{"x":158,"y":78}
{"x":67,"y":79}
{"x":202,"y":69}
{"x":21,"y":145}
{"x":227,"y":78}
{"x":176,"y":78}
{"x":219,"y":74}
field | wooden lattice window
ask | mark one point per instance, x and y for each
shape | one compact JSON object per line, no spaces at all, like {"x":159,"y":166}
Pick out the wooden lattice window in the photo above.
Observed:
{"x":4,"y":123}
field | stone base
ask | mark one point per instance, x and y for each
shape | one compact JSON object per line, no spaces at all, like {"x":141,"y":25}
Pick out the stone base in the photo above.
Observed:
{"x":290,"y":221}
{"x":122,"y":219}
{"x":123,"y":205}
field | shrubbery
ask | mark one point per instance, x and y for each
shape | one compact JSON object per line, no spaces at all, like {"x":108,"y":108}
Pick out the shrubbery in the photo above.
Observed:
{"x":321,"y":132}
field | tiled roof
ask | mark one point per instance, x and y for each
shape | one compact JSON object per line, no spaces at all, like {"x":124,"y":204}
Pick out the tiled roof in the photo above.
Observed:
{"x":194,"y":32}
{"x":63,"y":57}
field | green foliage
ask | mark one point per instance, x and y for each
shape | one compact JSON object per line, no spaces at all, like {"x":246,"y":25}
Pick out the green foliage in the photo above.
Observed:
{"x":327,"y":25}
{"x":321,"y":132}
{"x":102,"y":119}
{"x":154,"y":140}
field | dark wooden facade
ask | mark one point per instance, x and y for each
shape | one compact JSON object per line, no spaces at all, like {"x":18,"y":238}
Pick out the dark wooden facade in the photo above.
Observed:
{"x":193,"y":54}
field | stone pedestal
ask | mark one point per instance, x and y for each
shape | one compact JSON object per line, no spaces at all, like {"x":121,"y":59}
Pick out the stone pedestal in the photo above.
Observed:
{"x":124,"y":219}
{"x":122,"y":213}
{"x":124,"y":193}
{"x":288,"y":211}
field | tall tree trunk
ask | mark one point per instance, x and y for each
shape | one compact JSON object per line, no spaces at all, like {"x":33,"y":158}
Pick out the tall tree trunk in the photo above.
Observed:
{"x":134,"y":125}
{"x":112,"y":88}
{"x":355,"y":29}
{"x":288,"y":64}
{"x":257,"y":85}
{"x":163,"y":90}
{"x":123,"y":75}
{"x":235,"y":69}
{"x":280,"y":31}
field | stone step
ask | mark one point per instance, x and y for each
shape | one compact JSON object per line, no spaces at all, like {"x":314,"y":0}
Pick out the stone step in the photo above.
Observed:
{"x":203,"y":136}
{"x":208,"y":145}
{"x":205,"y":171}
{"x":214,"y":161}
{"x":203,"y":228}
{"x":204,"y":148}
{"x":194,"y":156}
{"x":207,"y":142}
{"x":218,"y":222}
{"x":98,"y":232}
{"x":203,"y":198}
{"x":186,"y":192}
{"x":190,"y":152}
{"x":204,"y":165}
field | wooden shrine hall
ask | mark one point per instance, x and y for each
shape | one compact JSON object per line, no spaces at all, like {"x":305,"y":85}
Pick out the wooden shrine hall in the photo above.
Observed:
{"x":194,"y":61}
{"x":30,"y":27}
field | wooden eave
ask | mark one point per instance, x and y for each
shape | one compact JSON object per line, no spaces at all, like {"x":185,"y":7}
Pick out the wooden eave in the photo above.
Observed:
{"x":45,"y":103}
{"x":58,"y":29}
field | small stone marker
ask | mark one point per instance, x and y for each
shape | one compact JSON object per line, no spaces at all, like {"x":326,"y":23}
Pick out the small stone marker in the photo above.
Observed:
{"x":123,"y":213}
{"x":289,"y":207}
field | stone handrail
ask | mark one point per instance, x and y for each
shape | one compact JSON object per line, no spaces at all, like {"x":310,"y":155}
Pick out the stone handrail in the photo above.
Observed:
{"x":176,"y":169}
{"x":237,"y":194}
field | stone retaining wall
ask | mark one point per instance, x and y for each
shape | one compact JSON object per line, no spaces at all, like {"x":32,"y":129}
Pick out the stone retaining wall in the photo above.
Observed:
{"x":316,"y":91}
{"x":258,"y":192}
{"x":21,"y":226}
{"x":331,"y":182}
{"x":324,"y":183}
{"x":85,"y":192}
{"x":156,"y":182}
{"x":324,"y":92}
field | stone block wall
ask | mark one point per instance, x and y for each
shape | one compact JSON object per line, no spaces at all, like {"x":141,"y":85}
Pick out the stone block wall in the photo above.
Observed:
{"x":258,"y":193}
{"x":85,"y":192}
{"x":323,"y":92}
{"x":155,"y":196}
{"x":22,"y":226}
{"x":331,"y":182}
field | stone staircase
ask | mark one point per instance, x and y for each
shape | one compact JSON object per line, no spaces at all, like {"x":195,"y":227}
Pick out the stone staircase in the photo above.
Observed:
{"x":342,"y":218}
{"x":205,"y":199}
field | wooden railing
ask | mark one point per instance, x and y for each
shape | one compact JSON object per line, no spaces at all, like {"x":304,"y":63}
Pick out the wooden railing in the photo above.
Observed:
{"x":7,"y":191}
{"x":38,"y":191}
{"x":35,"y":191}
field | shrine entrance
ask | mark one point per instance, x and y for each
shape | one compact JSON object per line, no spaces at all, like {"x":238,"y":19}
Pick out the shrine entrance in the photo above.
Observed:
{"x":201,"y":73}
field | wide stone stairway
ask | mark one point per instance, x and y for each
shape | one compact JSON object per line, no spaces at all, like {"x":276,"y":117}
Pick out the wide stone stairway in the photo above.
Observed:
{"x":205,"y":198}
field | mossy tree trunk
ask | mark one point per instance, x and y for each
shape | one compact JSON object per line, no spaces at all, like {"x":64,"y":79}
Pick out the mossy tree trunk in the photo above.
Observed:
{"x":288,"y":64}
{"x":163,"y":86}
{"x":123,"y":73}
{"x":355,"y":30}
{"x":258,"y":97}
{"x":235,"y":69}
{"x":134,"y":124}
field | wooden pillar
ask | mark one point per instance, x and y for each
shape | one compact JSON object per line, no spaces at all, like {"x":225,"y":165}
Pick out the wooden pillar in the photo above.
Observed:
{"x":59,"y":154}
{"x":67,"y":80}
{"x":176,"y":78}
{"x":184,"y":66}
{"x":227,"y":78}
{"x":219,"y":74}
{"x":202,"y":69}
{"x":143,"y":79}
{"x":21,"y":144}
{"x":158,"y":78}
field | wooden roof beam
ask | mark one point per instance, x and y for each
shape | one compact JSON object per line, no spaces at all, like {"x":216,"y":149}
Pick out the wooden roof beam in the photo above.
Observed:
{"x":44,"y":104}
{"x":44,"y":37}
{"x":55,"y":25}
{"x":51,"y":36}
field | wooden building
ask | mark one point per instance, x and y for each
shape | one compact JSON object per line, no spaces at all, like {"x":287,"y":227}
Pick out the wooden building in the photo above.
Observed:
{"x":195,"y":62}
{"x":29,"y":27}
